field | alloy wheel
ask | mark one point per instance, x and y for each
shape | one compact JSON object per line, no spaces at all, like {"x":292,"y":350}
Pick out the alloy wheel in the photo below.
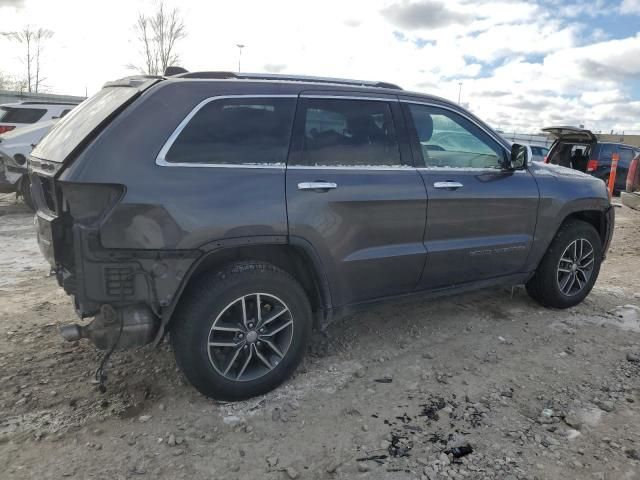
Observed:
{"x":575,"y":267}
{"x":250,"y":337}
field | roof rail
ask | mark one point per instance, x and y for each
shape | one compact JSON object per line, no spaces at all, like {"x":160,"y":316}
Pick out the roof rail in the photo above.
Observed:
{"x":286,"y":78}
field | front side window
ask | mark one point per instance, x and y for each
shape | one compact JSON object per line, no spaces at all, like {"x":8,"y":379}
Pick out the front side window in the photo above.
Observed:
{"x":236,"y":131}
{"x":448,"y":140}
{"x":21,"y":115}
{"x":351,"y":133}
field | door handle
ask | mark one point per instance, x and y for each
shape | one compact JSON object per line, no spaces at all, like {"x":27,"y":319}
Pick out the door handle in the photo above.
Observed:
{"x":452,"y":185}
{"x":317,"y":186}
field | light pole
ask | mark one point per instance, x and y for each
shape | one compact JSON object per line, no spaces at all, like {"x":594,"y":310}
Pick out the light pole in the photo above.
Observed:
{"x":240,"y":47}
{"x":459,"y":91}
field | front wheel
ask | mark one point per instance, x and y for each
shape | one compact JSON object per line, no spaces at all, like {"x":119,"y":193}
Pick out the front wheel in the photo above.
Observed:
{"x":242,"y":331}
{"x":570,"y":267}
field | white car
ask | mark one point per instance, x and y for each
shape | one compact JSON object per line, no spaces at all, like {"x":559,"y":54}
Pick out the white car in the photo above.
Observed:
{"x":16,"y":115}
{"x":14,"y":148}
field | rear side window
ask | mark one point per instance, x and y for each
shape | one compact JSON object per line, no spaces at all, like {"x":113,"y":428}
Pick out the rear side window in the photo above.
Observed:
{"x":21,"y":115}
{"x":626,"y":155}
{"x":236,"y":131}
{"x":348,"y":133}
{"x":606,"y":151}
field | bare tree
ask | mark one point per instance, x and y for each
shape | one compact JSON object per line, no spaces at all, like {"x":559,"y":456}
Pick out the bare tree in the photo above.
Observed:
{"x":33,"y":41}
{"x":9,"y":82}
{"x":158,"y":34}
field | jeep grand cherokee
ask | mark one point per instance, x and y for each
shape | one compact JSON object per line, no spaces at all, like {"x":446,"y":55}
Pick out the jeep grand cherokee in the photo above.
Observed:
{"x":238,"y":211}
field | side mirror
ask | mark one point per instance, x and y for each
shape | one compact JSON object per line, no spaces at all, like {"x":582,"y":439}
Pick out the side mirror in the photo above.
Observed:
{"x":519,"y":157}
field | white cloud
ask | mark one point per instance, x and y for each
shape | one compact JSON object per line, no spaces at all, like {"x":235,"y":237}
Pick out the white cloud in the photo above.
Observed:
{"x":630,"y":6}
{"x":11,"y":3}
{"x":522,"y":66}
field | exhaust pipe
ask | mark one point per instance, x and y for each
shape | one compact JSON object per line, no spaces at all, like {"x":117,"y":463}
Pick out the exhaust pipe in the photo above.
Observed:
{"x":139,"y":327}
{"x":71,"y":333}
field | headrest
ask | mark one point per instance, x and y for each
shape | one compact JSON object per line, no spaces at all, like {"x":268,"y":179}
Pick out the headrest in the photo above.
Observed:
{"x":424,"y":125}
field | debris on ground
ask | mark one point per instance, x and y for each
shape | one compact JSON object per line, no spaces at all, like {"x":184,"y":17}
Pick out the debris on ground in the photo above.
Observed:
{"x":459,"y":452}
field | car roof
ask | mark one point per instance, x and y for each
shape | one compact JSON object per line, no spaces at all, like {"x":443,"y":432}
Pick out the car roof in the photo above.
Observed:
{"x":634,"y":147}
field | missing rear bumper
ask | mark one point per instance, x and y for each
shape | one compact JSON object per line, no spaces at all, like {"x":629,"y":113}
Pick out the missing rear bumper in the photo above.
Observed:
{"x":132,"y":326}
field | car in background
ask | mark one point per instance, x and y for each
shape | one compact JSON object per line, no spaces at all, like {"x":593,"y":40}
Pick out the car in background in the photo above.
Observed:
{"x":580,"y":149}
{"x":16,"y":115}
{"x":537,"y":153}
{"x":14,"y":148}
{"x":633,"y":177}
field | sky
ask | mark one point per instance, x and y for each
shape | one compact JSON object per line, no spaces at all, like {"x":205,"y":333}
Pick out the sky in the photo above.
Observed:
{"x":519,"y":65}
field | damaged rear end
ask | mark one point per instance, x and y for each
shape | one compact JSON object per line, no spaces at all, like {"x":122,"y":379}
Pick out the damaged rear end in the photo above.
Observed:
{"x":114,"y":286}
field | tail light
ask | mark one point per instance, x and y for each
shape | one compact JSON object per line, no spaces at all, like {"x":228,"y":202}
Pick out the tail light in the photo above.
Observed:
{"x":89,"y":203}
{"x":592,"y":165}
{"x":546,"y":159}
{"x":6,"y":128}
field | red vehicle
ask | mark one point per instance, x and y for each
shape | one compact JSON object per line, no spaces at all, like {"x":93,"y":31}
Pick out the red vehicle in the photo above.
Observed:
{"x":633,"y":177}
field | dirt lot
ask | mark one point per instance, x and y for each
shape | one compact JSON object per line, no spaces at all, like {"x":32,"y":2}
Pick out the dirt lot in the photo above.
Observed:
{"x":536,"y":393}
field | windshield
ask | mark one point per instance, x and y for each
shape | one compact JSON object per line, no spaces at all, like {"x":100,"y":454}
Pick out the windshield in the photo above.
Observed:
{"x":81,"y":122}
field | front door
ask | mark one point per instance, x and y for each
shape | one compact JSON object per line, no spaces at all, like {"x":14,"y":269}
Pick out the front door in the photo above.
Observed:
{"x":353,"y":195}
{"x":480,"y":217}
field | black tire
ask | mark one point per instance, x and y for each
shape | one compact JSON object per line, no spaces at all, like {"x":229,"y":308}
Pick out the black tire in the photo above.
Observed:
{"x":211,"y":296}
{"x":545,"y":285}
{"x":25,"y":192}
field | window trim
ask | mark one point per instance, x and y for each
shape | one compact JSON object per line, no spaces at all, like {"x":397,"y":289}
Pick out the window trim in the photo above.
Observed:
{"x":413,"y":140}
{"x":161,"y":157}
{"x":161,"y":160}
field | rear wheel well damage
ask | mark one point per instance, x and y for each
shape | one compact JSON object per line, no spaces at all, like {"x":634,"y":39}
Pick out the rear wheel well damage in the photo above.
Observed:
{"x":291,"y":259}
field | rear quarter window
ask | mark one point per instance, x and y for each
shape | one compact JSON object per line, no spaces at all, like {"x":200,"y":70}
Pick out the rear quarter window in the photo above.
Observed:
{"x":234,"y":131}
{"x":21,"y":115}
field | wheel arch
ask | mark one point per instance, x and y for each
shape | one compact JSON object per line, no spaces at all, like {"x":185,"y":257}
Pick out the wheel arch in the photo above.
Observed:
{"x":596,"y":218}
{"x":295,"y":258}
{"x":601,"y":219}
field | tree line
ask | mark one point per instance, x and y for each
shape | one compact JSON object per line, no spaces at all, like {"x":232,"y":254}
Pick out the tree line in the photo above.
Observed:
{"x":156,"y":34}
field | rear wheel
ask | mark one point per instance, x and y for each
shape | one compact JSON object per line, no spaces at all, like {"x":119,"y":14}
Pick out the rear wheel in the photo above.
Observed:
{"x":570,"y":267}
{"x":242,"y":331}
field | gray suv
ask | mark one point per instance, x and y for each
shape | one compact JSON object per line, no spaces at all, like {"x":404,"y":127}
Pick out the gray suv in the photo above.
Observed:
{"x":238,"y":212}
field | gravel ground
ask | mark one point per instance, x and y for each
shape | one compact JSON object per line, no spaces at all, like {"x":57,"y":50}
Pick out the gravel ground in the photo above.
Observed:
{"x":386,"y":394}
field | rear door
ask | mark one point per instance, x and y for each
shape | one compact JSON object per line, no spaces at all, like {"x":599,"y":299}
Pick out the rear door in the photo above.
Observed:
{"x":480,"y":218}
{"x":354,"y":196}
